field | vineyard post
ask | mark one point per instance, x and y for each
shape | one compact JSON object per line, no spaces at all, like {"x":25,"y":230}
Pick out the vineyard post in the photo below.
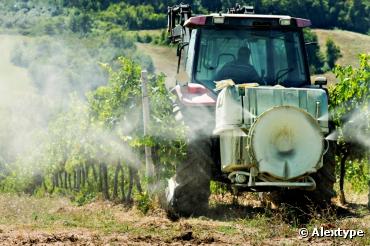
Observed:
{"x":368,"y":157}
{"x":149,"y":166}
{"x":368,"y":180}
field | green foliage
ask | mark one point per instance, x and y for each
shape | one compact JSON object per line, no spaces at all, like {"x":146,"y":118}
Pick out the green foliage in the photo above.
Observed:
{"x":97,"y":146}
{"x":143,"y":202}
{"x":144,"y":14}
{"x":118,"y":106}
{"x":83,"y":197}
{"x":332,"y":53}
{"x":119,"y":39}
{"x":218,"y":188}
{"x":87,"y":4}
{"x":350,"y":94}
{"x":161,"y":39}
{"x":120,"y":97}
{"x":358,"y":175}
{"x":350,"y":15}
{"x":349,"y":104}
{"x":80,"y":23}
{"x":134,"y":17}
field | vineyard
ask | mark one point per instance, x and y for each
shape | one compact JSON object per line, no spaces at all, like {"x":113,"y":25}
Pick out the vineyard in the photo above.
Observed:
{"x":93,"y":152}
{"x":73,"y":140}
{"x":96,"y":146}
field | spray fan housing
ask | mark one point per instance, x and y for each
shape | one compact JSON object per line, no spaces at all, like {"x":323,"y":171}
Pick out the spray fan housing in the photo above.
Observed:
{"x":286,"y":143}
{"x":271,"y":134}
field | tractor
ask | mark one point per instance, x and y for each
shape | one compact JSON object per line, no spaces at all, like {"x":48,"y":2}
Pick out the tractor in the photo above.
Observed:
{"x":255,"y":121}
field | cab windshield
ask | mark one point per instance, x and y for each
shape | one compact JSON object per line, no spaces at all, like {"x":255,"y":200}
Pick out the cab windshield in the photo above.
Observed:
{"x":267,"y":57}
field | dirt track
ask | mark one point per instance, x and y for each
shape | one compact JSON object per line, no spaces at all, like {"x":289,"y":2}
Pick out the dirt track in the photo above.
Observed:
{"x":164,"y":60}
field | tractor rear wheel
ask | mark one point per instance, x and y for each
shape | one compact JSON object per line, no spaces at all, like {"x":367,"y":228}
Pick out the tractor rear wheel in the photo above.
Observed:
{"x":188,"y":191}
{"x":325,"y":179}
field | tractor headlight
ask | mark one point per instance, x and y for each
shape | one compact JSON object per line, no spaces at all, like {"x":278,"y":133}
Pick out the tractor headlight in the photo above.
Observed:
{"x":285,"y":22}
{"x":219,"y":19}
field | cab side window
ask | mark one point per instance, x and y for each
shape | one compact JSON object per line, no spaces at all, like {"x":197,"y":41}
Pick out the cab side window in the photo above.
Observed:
{"x":190,"y":55}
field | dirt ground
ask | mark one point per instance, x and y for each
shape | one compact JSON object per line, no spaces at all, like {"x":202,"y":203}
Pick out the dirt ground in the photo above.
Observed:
{"x":28,"y":220}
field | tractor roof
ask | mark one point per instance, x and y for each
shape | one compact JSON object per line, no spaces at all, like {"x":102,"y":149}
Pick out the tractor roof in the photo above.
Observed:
{"x":247,"y":20}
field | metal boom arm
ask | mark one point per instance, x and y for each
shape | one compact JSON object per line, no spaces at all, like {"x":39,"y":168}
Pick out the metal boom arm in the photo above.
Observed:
{"x":177,"y":15}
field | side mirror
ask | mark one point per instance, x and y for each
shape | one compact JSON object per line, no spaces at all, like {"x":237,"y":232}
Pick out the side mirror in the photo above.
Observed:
{"x":180,"y":47}
{"x":182,"y":78}
{"x":311,"y":44}
{"x":320,"y":81}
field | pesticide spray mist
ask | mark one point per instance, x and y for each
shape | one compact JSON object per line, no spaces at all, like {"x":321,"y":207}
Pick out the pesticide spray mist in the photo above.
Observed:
{"x":37,"y":78}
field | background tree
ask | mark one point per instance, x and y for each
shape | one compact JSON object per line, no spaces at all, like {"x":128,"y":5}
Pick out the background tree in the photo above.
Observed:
{"x":332,"y":53}
{"x":316,"y":58}
{"x":80,"y":22}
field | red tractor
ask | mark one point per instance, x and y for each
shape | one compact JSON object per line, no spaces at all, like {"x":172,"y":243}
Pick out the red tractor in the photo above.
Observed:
{"x":254,"y":119}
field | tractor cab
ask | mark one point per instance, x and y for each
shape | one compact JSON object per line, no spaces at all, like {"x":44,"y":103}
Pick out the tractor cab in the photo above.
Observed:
{"x":244,"y":47}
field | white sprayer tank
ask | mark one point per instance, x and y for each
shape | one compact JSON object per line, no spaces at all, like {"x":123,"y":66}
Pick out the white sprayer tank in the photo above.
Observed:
{"x":277,"y":130}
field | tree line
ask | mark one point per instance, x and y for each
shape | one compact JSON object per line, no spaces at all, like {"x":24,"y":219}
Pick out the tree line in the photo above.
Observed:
{"x":143,"y":14}
{"x":351,"y":15}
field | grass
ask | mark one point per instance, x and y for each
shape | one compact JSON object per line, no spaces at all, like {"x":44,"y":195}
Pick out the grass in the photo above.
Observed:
{"x":227,"y":224}
{"x":227,"y":230}
{"x":155,"y":32}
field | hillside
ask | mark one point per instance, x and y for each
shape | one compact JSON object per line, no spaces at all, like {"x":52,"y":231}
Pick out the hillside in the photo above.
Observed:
{"x":351,"y":44}
{"x":8,"y":71}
